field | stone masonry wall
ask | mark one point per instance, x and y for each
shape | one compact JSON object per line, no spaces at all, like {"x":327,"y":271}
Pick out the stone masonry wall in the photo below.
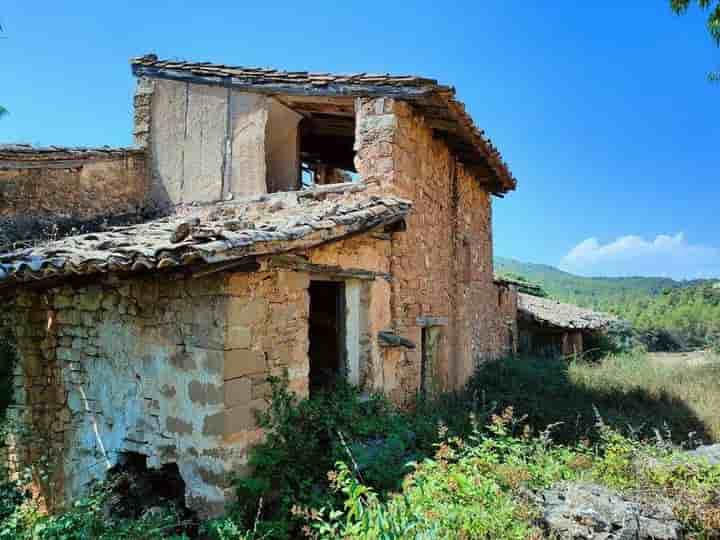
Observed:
{"x":442,"y":265}
{"x":170,"y":368}
{"x":368,"y":252}
{"x":67,"y":191}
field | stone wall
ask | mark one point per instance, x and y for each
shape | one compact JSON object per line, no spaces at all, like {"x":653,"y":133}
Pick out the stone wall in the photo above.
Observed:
{"x":171,"y":368}
{"x":442,"y":265}
{"x":48,"y":192}
{"x":175,"y":367}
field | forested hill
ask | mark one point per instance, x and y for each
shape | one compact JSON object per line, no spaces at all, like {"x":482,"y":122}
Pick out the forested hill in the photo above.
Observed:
{"x":688,"y":310}
{"x":593,"y":292}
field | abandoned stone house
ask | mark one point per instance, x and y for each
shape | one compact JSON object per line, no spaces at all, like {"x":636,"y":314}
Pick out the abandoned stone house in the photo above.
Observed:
{"x":549,"y":328}
{"x":311,"y":226}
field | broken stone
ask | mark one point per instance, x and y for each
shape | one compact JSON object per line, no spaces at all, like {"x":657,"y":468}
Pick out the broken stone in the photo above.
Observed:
{"x":586,"y":511}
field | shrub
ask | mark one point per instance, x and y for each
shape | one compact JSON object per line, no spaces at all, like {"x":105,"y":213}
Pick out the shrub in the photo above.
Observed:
{"x":479,"y":488}
{"x":304,"y":440}
{"x":87,"y":519}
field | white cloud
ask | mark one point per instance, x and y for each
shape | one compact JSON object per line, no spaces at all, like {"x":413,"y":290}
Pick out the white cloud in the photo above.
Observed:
{"x":670,"y":256}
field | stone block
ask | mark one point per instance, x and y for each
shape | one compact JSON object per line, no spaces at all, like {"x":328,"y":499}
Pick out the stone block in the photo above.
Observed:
{"x":177,"y":425}
{"x":205,"y":393}
{"x":261,"y":390}
{"x":69,"y":316}
{"x":243,"y":313}
{"x":68,"y":355}
{"x":238,"y":391}
{"x":238,"y":337}
{"x":110,"y":301}
{"x":209,"y":360}
{"x":242,"y":362}
{"x":205,"y":337}
{"x":90,"y":299}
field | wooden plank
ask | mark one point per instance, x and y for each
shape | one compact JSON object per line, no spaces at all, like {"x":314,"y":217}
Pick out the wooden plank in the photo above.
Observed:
{"x":294,"y":262}
{"x":430,"y":320}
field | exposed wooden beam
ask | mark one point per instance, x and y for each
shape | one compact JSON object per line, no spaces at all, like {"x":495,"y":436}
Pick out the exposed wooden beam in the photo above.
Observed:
{"x":300,"y":264}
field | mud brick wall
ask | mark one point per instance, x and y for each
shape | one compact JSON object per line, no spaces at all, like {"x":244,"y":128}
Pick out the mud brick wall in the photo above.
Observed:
{"x":442,"y":265}
{"x":67,"y":188}
{"x":171,"y":368}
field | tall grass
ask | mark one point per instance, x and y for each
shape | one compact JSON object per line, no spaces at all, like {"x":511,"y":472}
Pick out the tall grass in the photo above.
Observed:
{"x":630,"y":391}
{"x":643,"y":387}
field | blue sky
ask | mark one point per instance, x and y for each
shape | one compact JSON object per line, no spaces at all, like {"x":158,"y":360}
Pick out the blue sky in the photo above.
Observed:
{"x":601,"y":109}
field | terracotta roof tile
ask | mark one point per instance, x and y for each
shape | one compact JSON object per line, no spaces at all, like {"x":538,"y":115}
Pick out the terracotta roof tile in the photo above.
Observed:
{"x":554,"y":313}
{"x":221,"y":232}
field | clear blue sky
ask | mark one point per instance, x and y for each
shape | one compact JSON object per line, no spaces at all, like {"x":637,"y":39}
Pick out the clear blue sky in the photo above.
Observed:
{"x":601,"y":108}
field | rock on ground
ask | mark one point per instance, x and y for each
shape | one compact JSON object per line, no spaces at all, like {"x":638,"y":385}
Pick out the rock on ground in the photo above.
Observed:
{"x":586,"y":511}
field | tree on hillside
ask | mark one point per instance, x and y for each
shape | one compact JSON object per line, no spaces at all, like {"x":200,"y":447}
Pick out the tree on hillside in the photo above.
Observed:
{"x":713,"y":21}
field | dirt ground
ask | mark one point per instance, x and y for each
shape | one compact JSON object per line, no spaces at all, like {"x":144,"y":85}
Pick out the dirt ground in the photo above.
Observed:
{"x":691,"y":358}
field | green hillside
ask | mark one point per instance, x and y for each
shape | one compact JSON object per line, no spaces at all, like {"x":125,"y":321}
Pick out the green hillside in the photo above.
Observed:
{"x":689,"y":310}
{"x":595,"y":292}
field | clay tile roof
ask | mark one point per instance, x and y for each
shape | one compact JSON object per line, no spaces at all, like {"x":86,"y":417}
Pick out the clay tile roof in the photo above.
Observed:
{"x":554,"y":313}
{"x":431,"y":97}
{"x":209,"y":234}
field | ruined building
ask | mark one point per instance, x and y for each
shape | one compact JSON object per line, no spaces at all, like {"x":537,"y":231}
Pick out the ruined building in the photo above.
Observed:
{"x":312,"y":226}
{"x":550,"y":328}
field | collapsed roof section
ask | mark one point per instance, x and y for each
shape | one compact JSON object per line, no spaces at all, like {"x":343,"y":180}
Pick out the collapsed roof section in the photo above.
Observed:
{"x":211,"y":234}
{"x":299,"y":90}
{"x":548,"y":312}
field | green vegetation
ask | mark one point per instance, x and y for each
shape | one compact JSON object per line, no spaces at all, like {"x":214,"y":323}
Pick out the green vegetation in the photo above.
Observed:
{"x":87,"y":520}
{"x":713,"y":21}
{"x":463,"y":462}
{"x":688,"y":312}
{"x":477,"y":488}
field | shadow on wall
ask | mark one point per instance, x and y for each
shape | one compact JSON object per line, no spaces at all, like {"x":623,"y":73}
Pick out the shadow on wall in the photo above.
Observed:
{"x":552,"y":390}
{"x":7,"y":361}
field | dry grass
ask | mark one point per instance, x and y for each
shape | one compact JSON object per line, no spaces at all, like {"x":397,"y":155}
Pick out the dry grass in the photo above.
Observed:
{"x":693,"y":386}
{"x":632,"y":392}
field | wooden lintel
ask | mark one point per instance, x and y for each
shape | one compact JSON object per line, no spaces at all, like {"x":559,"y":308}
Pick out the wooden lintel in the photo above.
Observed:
{"x":246,"y":264}
{"x":300,"y":264}
{"x":430,"y":320}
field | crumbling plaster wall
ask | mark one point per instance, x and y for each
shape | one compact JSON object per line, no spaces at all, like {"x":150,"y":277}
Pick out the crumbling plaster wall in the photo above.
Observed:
{"x":442,"y":264}
{"x":208,"y":143}
{"x":38,"y":194}
{"x":170,"y":368}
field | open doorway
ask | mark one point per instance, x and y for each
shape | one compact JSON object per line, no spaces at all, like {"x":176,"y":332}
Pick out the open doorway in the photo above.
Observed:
{"x":327,"y":333}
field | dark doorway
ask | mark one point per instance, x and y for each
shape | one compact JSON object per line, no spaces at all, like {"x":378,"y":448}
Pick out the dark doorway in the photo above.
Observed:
{"x":327,"y":333}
